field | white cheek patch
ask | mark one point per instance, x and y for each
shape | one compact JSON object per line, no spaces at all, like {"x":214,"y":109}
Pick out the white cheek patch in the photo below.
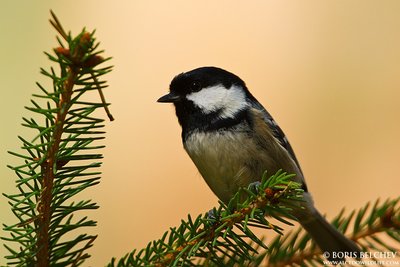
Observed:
{"x":213,"y":98}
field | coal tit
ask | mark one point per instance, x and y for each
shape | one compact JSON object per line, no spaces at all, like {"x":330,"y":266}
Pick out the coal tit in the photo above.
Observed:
{"x":233,"y":140}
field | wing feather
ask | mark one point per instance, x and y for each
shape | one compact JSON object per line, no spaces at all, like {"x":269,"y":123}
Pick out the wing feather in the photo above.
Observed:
{"x":265,"y":130}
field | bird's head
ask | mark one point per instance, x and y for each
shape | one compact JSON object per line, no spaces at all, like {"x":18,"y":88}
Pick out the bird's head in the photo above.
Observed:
{"x":207,"y":93}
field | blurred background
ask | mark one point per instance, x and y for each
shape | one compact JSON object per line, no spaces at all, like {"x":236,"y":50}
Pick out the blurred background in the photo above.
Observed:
{"x":328,"y":71}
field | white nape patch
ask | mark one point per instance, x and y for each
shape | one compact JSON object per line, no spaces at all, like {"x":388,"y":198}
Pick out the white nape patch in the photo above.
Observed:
{"x":218,"y":97}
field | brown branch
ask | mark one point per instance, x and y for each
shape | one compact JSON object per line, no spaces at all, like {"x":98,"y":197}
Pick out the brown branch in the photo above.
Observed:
{"x":387,"y":221}
{"x":48,"y":170}
{"x":49,"y":166}
{"x":271,"y":197}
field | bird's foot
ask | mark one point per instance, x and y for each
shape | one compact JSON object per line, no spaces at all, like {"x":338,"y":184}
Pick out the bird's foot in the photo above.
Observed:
{"x":254,"y":187}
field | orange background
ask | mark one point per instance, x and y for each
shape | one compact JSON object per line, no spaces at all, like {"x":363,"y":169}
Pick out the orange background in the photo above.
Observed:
{"x":328,"y":71}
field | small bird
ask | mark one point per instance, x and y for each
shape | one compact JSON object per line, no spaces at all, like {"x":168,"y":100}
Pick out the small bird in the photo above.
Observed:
{"x":233,"y":140}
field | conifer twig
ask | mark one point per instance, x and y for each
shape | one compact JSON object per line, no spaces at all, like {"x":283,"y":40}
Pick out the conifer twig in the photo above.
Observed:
{"x":383,"y":218}
{"x":50,"y":161}
{"x":212,"y":237}
{"x":59,"y":160}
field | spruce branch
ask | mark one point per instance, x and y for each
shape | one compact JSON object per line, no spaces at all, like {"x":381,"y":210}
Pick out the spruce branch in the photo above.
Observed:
{"x":224,"y":231}
{"x":366,"y":231}
{"x":223,"y":237}
{"x":56,"y":164}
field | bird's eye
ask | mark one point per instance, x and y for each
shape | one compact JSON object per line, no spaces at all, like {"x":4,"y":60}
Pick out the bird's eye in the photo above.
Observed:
{"x":195,"y":86}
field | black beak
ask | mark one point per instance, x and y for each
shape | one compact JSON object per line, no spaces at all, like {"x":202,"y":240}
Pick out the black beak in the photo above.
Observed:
{"x":169,"y":98}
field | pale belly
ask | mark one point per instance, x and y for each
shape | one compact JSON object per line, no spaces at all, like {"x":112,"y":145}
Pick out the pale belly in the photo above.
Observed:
{"x":226,"y":161}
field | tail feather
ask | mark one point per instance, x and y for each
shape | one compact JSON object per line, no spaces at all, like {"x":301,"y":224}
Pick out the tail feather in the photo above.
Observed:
{"x":331,"y":242}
